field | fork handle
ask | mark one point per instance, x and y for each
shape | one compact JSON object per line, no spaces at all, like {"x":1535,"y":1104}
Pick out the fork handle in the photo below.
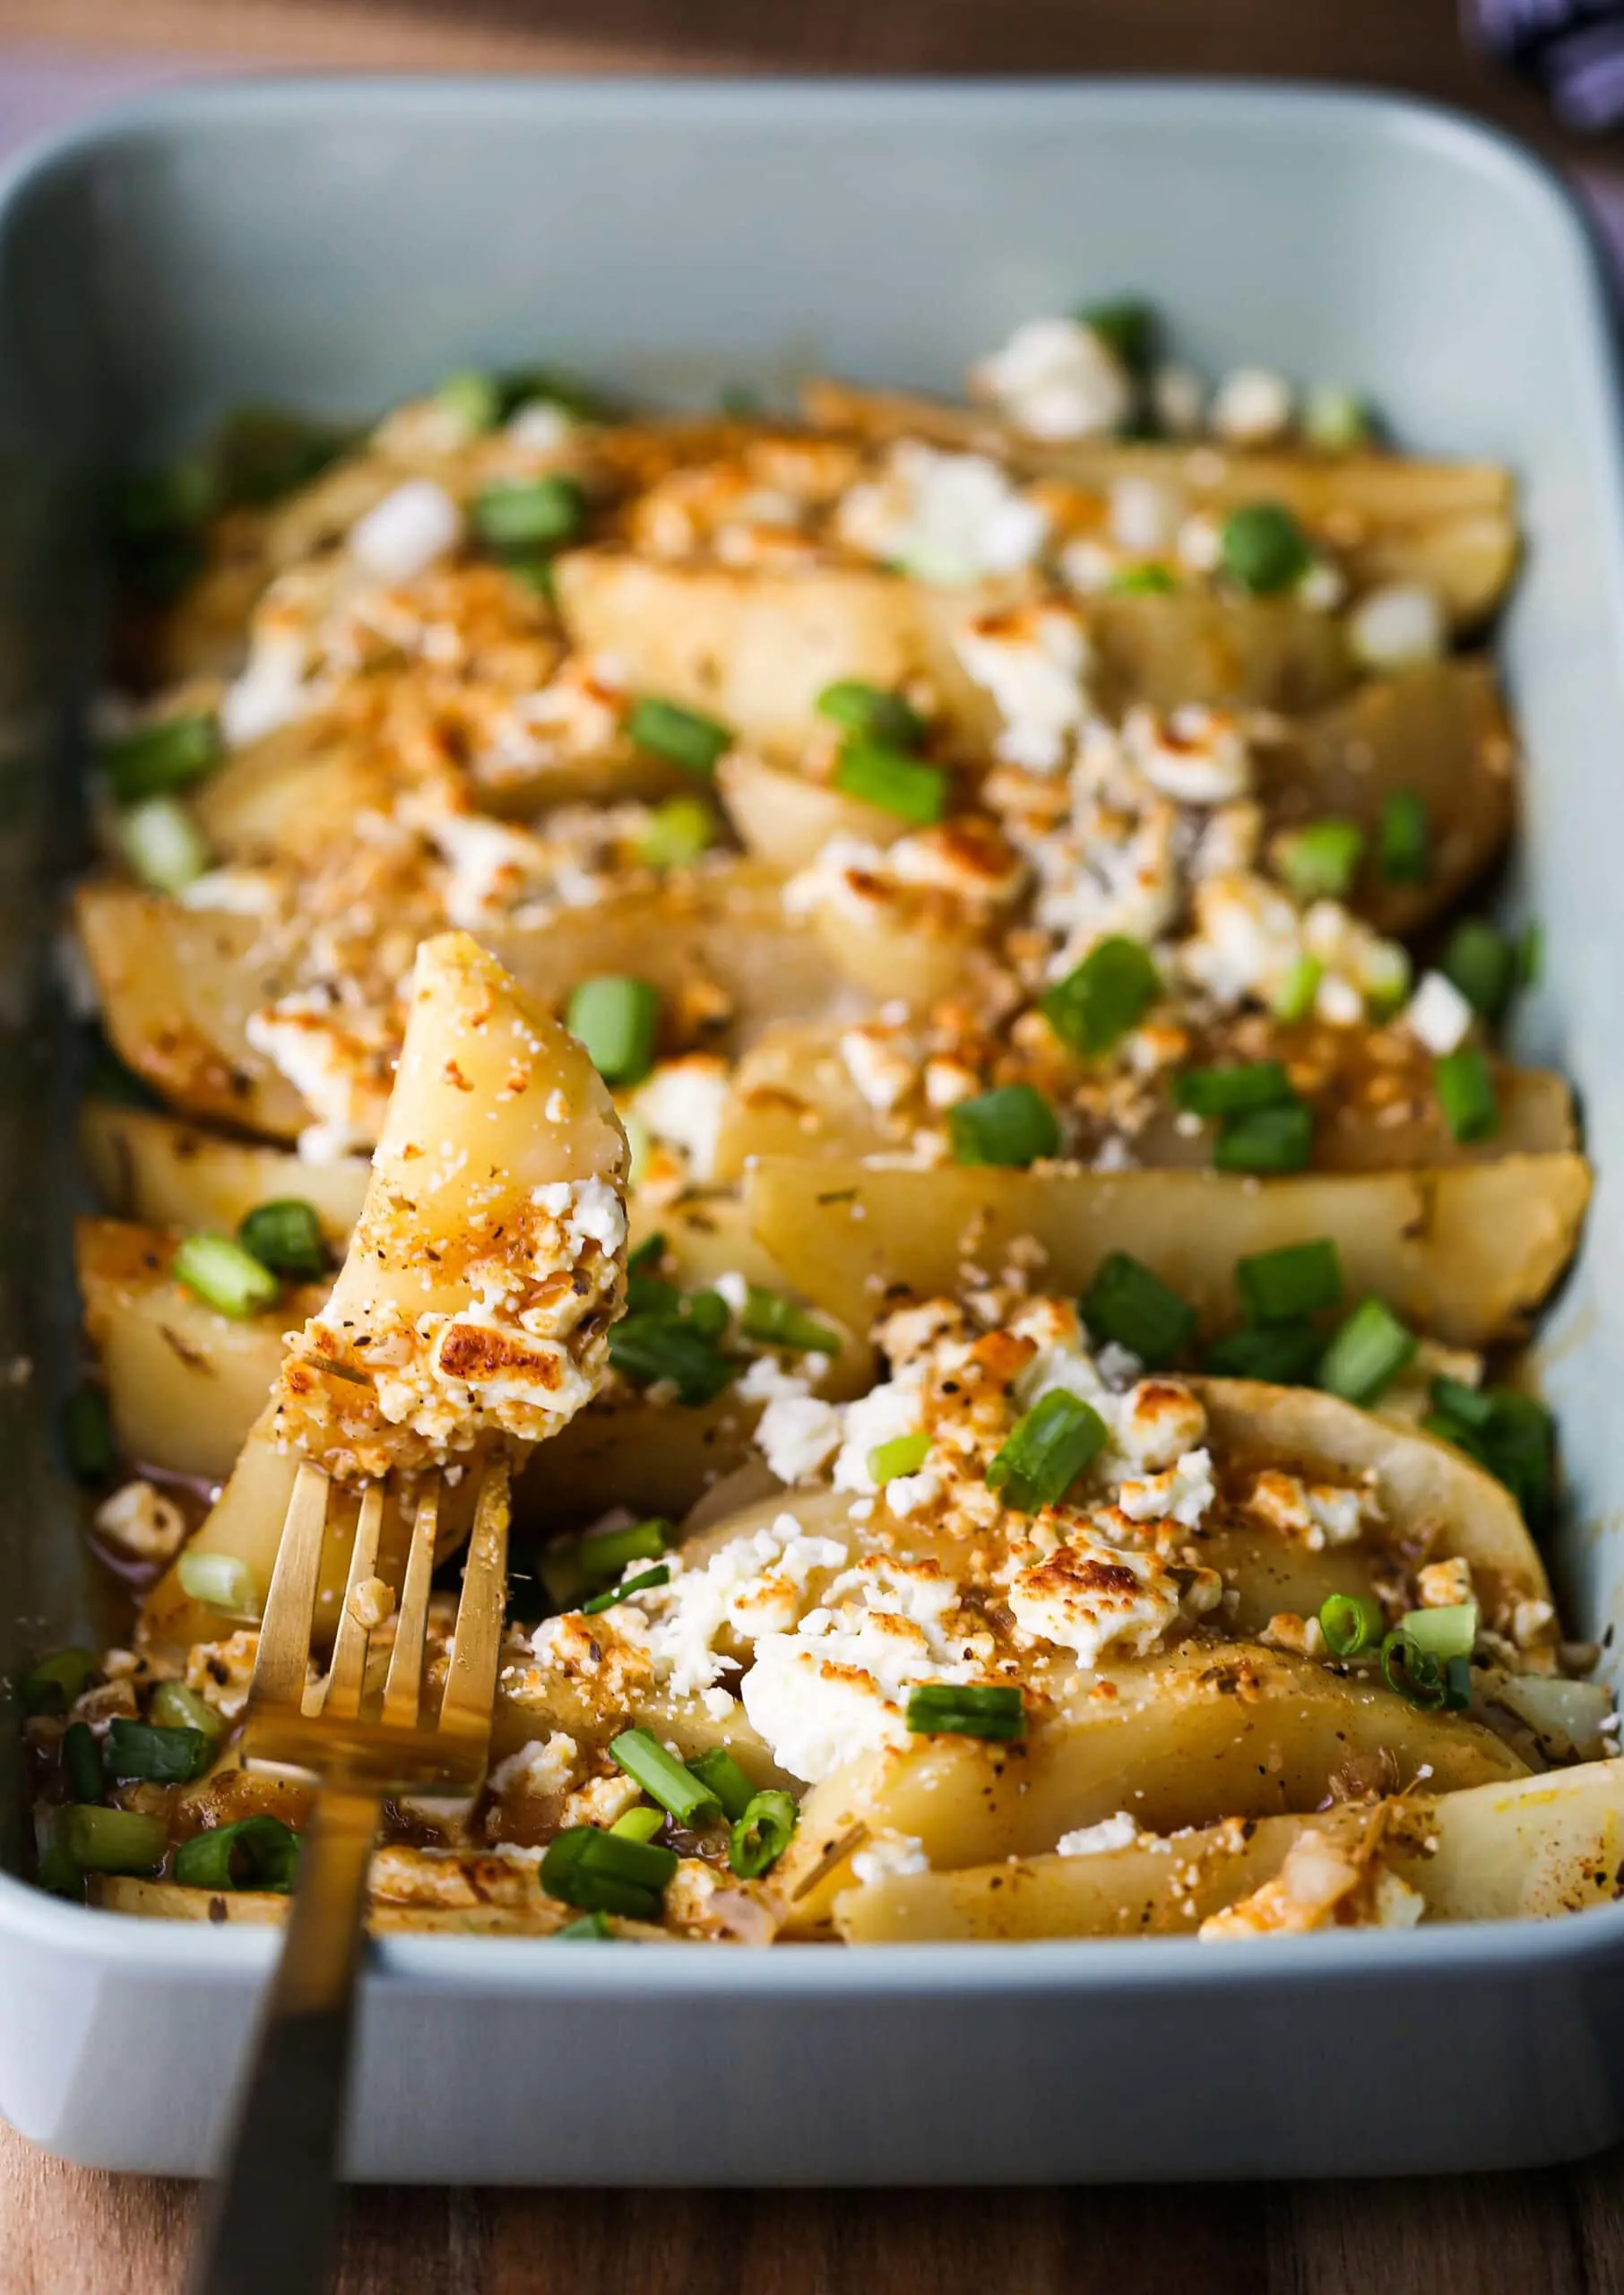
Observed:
{"x":272,"y":2219}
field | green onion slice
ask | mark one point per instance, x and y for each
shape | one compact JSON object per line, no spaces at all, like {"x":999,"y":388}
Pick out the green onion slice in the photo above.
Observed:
{"x":286,"y":1235}
{"x":1404,"y":841}
{"x":1046,"y":1451}
{"x":1367,"y":1354}
{"x":643,"y":1583}
{"x":111,"y":1841}
{"x":1126,"y":327}
{"x":616,"y":1019}
{"x":772,"y":1320}
{"x":603,"y":1872}
{"x":220,"y":1581}
{"x":146,"y":1753}
{"x":662,"y":1777}
{"x":873,"y":712}
{"x":1319,"y":863}
{"x":160,"y":757}
{"x":682,"y":736}
{"x":1415,"y":1673}
{"x":947,"y":1710}
{"x":1096,"y":1004}
{"x":592,"y":1928}
{"x":1128,"y":1304}
{"x":81,"y":1759}
{"x":1270,"y":1140}
{"x":225,"y":1277}
{"x":1481,"y":963}
{"x":1281,"y":1354}
{"x":640,"y":1823}
{"x":1511,"y":1435}
{"x":87,"y":1437}
{"x":1298,"y":1279}
{"x":474,"y":398}
{"x":649,"y":1349}
{"x":1150,"y":580}
{"x":1466,"y":1090}
{"x":1263,"y":549}
{"x":1449,"y":1631}
{"x":1295,"y":998}
{"x":599,"y":1558}
{"x":1529,"y":955}
{"x":761,"y":1834}
{"x":720,"y":1775}
{"x":174,"y":1706}
{"x":902,"y":786}
{"x":904,"y":1454}
{"x":530,"y":514}
{"x":1232,"y":1090}
{"x":54,"y":1684}
{"x":1012,"y":1125}
{"x":253,"y":1853}
{"x":676,"y":833}
{"x":1350,"y":1624}
{"x":162,"y":843}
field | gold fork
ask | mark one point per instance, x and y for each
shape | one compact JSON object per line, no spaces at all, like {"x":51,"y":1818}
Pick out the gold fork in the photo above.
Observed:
{"x":272,"y":2217}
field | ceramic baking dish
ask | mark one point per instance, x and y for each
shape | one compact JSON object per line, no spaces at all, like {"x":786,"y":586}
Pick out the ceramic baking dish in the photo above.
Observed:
{"x":338,"y":246}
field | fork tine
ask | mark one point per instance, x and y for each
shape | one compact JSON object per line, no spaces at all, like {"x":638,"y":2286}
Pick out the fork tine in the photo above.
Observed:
{"x":472,"y":1683}
{"x":344,"y":1701}
{"x":284,"y":1633}
{"x":403,"y":1688}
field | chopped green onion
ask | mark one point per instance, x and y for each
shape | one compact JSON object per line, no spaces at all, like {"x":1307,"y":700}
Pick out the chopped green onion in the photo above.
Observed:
{"x":664,"y":1777}
{"x":106,"y":1077}
{"x":1012,"y":1125}
{"x":221,"y":1582}
{"x":682,"y":735}
{"x":162,"y":843}
{"x":640,"y":1823}
{"x":1481,"y":963}
{"x":574,"y":1566}
{"x":904,"y":1454}
{"x":1046,"y":1451}
{"x":286,"y":1236}
{"x":772,"y":1319}
{"x":1367,"y":1354}
{"x":87,"y":1437}
{"x":52,"y":1684}
{"x":1334,"y":419}
{"x":677,"y":831}
{"x":1475,"y":1406}
{"x":81,"y":1759}
{"x":1321,"y":861}
{"x":1266,"y":1139}
{"x":1404,"y":841}
{"x":643,"y":1583}
{"x":1128,"y":1304}
{"x":945,"y":1710}
{"x":912,"y":791}
{"x":1529,"y":955}
{"x":591,"y":1928}
{"x":740,"y":400}
{"x":1295,"y":998}
{"x":1449,"y":1631}
{"x":154,"y":504}
{"x":1232,"y":1090}
{"x":1126,"y":327}
{"x":649,"y":1349}
{"x":873,"y":711}
{"x":530,"y":514}
{"x":646,"y":1290}
{"x":56,"y":1869}
{"x":1350,"y":1624}
{"x":1415,"y":1673}
{"x":166,"y":756}
{"x":708,"y":1313}
{"x":262,"y":452}
{"x":720,"y":1774}
{"x":603,"y":1872}
{"x":616,"y":1019}
{"x":176,"y":1707}
{"x":1298,"y":1279}
{"x":1147,"y":581}
{"x":1466,"y":1093}
{"x":534,"y":572}
{"x":1280,"y":1355}
{"x":253,"y":1853}
{"x":111,"y":1841}
{"x":546,"y":385}
{"x":1457,"y":1683}
{"x":761,"y":1834}
{"x":155,"y":1756}
{"x":1093,"y":1007}
{"x":1262,"y":547}
{"x":225,"y":1277}
{"x":1510,"y":1435}
{"x":475,"y":399}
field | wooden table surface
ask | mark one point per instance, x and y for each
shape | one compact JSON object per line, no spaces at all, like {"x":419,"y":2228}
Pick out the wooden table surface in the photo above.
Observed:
{"x":68,"y":2231}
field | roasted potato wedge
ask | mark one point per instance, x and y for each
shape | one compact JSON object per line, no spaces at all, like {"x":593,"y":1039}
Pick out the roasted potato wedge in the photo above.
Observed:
{"x":163,"y":1172}
{"x":1466,"y":1254}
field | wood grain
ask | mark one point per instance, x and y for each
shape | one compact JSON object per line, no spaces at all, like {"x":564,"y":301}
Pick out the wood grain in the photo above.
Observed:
{"x":69,"y":2232}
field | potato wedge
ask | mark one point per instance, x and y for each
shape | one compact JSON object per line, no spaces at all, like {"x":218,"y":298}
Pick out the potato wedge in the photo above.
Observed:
{"x":1465,"y":1253}
{"x":1185,"y":1739}
{"x":1392,"y":518}
{"x":163,"y":1172}
{"x":1530,"y":1848}
{"x":259,"y":1908}
{"x":785,"y":819}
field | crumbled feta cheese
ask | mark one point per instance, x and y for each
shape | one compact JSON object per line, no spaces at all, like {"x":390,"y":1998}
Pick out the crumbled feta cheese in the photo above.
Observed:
{"x":402,"y":536}
{"x":1438,"y":1015}
{"x":273,"y":688}
{"x":1057,"y":378}
{"x":889,"y":1856}
{"x":1144,"y":516}
{"x":1033,"y":662}
{"x":1158,"y":1423}
{"x":539,"y":426}
{"x":948,"y":519}
{"x":1096,"y":1598}
{"x":682,"y":1102}
{"x":1181,"y":1492}
{"x":297,"y":1037}
{"x":1251,"y":406}
{"x":141,"y":1522}
{"x":886,"y":1411}
{"x":1397,"y":625}
{"x":1194,"y":754}
{"x":231,"y":892}
{"x":1321,"y":1514}
{"x":1444,"y":1585}
{"x":1321,"y":588}
{"x":798,"y":1433}
{"x":1119,"y":1831}
{"x":491,"y":864}
{"x":540,"y":1768}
